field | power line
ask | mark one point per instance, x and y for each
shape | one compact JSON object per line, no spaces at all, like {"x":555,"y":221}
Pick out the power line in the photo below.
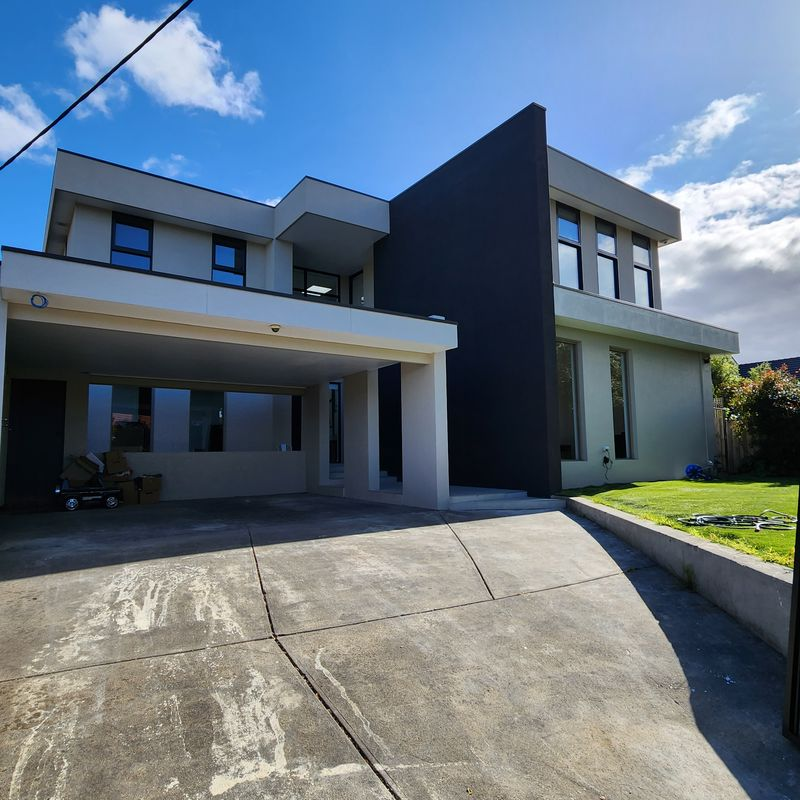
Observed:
{"x":99,"y":83}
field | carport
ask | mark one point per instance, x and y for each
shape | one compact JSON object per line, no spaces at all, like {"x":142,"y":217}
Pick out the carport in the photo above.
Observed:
{"x":152,"y":330}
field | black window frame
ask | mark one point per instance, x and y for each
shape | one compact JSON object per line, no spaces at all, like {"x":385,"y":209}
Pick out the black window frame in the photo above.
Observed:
{"x":132,"y":222}
{"x":239,"y":246}
{"x":647,"y":268}
{"x":325,"y":298}
{"x":613,"y":257}
{"x":574,"y":243}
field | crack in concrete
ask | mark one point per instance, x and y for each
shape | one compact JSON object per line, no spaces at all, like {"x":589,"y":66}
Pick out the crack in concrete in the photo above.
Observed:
{"x":469,"y":555}
{"x":374,"y":765}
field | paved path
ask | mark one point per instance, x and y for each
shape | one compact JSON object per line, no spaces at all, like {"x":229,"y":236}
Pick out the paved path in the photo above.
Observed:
{"x":308,"y":647}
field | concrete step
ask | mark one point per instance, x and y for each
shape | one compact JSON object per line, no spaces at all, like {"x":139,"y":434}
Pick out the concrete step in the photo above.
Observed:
{"x":464,"y":495}
{"x":528,"y":504}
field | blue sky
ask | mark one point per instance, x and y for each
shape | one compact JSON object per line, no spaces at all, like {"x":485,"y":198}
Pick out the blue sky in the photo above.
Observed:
{"x":247,"y":97}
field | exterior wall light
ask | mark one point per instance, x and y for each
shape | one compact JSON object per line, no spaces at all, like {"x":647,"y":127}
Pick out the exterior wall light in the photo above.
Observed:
{"x":39,"y":301}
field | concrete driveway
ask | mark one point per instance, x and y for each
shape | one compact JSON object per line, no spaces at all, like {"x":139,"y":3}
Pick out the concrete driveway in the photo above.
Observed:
{"x":308,"y":647}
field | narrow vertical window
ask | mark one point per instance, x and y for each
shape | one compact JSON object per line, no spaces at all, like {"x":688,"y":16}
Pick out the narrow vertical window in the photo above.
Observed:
{"x":642,"y":271}
{"x":131,"y":241}
{"x":567,"y":401}
{"x":569,"y":247}
{"x":620,"y":403}
{"x":228,"y":260}
{"x":607,"y":269}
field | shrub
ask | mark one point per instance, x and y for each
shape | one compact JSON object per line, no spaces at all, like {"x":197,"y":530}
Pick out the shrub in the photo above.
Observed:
{"x":766,"y":405}
{"x":725,"y":377}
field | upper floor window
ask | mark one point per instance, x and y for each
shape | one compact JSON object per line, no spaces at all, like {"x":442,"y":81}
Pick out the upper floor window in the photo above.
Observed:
{"x":131,"y":241}
{"x":569,"y":246}
{"x":312,"y":283}
{"x":607,"y":269}
{"x":642,"y":271}
{"x":228,"y":260}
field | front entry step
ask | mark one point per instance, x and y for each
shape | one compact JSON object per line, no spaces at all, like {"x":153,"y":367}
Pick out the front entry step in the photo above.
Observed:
{"x":468,"y":498}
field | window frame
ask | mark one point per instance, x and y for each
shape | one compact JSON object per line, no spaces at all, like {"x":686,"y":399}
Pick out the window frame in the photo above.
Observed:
{"x":132,"y":222}
{"x":612,"y":257}
{"x":325,"y":298}
{"x":567,"y":242}
{"x":627,"y":405}
{"x":239,"y":246}
{"x":647,"y":268}
{"x":577,"y":415}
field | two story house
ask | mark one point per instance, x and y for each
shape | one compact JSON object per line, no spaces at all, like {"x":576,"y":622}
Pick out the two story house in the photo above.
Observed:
{"x":496,"y":325}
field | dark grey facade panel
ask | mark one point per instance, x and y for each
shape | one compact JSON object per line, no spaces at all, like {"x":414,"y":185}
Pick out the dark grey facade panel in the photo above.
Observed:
{"x":471,"y":241}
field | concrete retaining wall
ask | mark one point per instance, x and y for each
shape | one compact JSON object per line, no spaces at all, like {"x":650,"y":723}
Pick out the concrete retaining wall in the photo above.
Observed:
{"x":754,"y":592}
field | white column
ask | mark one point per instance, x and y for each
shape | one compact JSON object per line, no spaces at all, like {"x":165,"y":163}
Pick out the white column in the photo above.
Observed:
{"x":316,"y":436}
{"x":426,"y":475}
{"x":3,"y":400}
{"x":360,"y":406}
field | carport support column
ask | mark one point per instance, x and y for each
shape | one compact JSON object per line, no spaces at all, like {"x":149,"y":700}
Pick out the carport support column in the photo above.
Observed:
{"x":316,"y":436}
{"x":426,"y":474}
{"x":3,"y":409}
{"x":361,"y":458}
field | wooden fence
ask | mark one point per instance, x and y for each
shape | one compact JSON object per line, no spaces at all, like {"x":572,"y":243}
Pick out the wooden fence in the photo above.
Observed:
{"x":733,"y":449}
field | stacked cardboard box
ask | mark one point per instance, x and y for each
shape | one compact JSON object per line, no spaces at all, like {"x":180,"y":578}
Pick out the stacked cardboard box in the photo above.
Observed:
{"x":80,"y":472}
{"x":149,"y":488}
{"x":119,"y":474}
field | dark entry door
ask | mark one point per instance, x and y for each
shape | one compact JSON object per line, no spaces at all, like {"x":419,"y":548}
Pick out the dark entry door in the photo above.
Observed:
{"x":35,"y":442}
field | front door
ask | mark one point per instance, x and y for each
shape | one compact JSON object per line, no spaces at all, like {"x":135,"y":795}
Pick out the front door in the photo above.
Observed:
{"x":35,"y":442}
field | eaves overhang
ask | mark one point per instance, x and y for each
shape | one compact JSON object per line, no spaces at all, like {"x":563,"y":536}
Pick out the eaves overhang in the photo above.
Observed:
{"x":590,"y":312}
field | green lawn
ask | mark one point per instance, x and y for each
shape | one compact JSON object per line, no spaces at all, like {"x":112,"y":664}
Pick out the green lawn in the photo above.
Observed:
{"x":664,"y":501}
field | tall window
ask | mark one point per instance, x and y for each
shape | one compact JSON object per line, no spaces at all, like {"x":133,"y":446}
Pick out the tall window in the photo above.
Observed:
{"x":228,"y":260}
{"x":642,"y":271}
{"x":620,"y":403}
{"x":311,"y":283}
{"x":567,"y":401}
{"x":131,"y":418}
{"x":131,"y":241}
{"x":206,"y":419}
{"x":569,"y":247}
{"x":607,"y":270}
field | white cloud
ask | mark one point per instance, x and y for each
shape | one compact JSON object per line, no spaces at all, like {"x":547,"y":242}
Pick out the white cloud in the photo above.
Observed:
{"x":181,"y":66}
{"x":20,"y":120}
{"x":273,"y":201}
{"x":175,"y":166}
{"x":695,"y":137}
{"x":738,"y":265}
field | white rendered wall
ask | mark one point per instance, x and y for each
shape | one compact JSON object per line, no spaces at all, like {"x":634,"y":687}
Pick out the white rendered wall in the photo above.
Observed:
{"x":181,"y":251}
{"x":671,"y":422}
{"x":90,"y":234}
{"x":191,"y":476}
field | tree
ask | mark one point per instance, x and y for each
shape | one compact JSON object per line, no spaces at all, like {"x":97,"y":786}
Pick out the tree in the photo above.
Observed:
{"x":725,"y":377}
{"x":766,"y":405}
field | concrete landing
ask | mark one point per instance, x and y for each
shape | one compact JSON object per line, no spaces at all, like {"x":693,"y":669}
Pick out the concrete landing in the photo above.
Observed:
{"x":474,"y":498}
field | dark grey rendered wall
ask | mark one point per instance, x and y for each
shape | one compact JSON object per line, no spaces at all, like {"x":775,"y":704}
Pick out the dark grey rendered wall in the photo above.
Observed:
{"x":471,"y":241}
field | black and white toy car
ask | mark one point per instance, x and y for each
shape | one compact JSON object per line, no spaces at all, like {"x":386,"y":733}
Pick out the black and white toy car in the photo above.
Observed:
{"x":73,"y":498}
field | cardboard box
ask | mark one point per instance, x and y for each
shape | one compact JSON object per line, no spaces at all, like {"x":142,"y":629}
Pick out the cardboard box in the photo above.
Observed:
{"x":149,"y":483}
{"x":130,"y":494}
{"x":116,"y":461}
{"x":146,"y":498}
{"x":118,"y":477}
{"x":79,"y":472}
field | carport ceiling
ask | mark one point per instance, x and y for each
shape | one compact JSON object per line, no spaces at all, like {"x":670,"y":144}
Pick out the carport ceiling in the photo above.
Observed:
{"x":64,"y":349}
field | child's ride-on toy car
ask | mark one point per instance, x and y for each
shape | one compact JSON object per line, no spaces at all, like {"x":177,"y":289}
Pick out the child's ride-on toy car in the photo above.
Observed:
{"x":75,"y":497}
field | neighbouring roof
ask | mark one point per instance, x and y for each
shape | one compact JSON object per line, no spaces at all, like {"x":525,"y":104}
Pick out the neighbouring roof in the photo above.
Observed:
{"x":793,"y":365}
